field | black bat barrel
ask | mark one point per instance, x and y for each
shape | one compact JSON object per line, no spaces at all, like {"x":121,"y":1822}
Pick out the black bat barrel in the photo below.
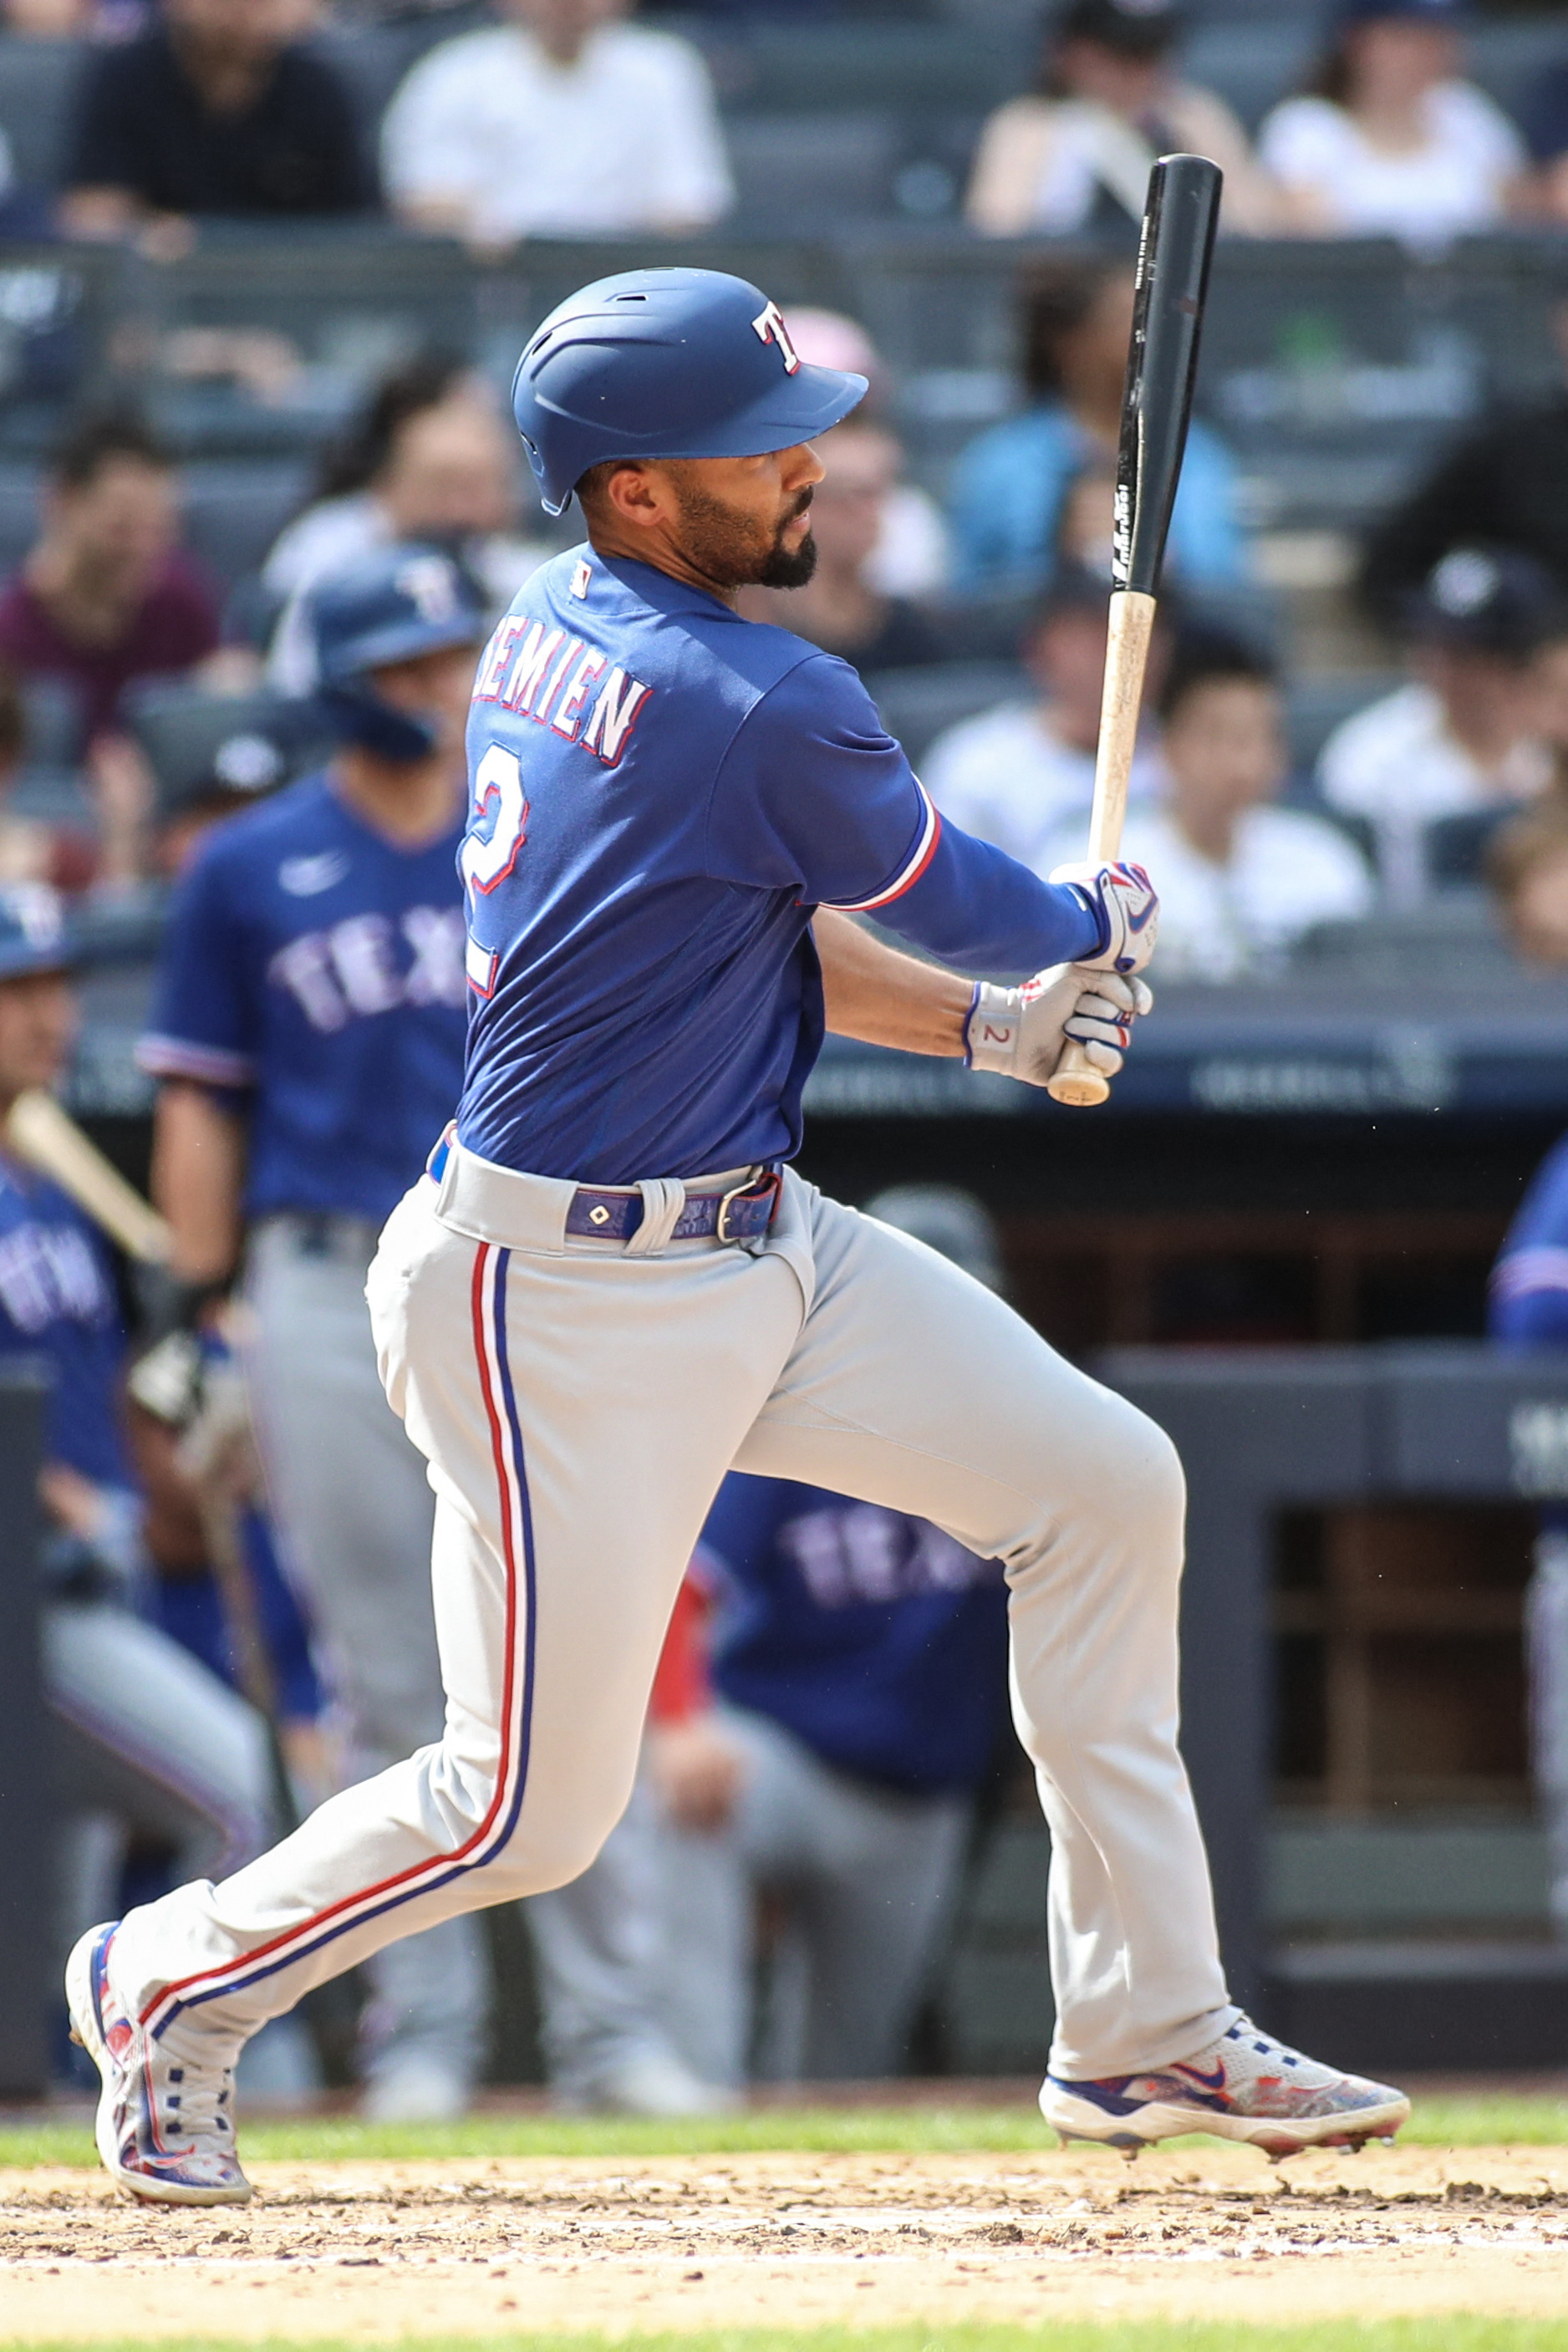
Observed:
{"x":1173,"y":258}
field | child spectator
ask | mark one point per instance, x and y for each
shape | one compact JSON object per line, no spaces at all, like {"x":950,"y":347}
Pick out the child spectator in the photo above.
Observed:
{"x":217,"y":108}
{"x":1390,"y":142}
{"x":1240,"y":880}
{"x":1074,"y":154}
{"x":838,"y":608}
{"x":1013,"y":774}
{"x":561,"y":122}
{"x":1527,"y":864}
{"x":106,"y":597}
{"x":1462,"y":734}
{"x":431,"y":460}
{"x":1009,"y":484}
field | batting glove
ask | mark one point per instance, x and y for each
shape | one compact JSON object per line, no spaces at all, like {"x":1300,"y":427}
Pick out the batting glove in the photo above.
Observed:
{"x":1128,"y":908}
{"x":1019,"y":1032}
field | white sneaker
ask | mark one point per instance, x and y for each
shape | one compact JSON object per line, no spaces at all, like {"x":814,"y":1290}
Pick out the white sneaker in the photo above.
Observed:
{"x":166,"y":2127}
{"x":414,"y":2088}
{"x":1244,"y":2086}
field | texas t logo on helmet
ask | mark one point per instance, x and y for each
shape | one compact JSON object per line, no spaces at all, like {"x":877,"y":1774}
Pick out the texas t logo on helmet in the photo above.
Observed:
{"x":768,"y":326}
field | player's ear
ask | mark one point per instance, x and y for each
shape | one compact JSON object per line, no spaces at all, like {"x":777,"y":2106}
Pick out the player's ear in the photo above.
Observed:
{"x":633,"y":495}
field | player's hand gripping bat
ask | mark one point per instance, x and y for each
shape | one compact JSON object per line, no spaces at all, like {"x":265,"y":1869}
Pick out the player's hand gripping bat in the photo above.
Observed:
{"x":1173,"y":257}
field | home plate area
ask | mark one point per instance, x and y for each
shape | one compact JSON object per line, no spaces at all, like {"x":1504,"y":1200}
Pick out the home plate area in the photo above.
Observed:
{"x":640,"y":2246}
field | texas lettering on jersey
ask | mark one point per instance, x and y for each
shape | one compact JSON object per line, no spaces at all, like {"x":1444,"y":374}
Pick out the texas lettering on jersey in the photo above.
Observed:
{"x":358,"y":966}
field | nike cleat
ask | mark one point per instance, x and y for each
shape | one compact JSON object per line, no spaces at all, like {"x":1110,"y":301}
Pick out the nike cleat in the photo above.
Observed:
{"x":1244,"y":2086}
{"x":166,"y":2129}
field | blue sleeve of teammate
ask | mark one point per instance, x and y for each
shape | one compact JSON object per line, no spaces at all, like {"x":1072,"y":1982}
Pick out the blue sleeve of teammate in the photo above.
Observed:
{"x":205,"y":1023}
{"x":815,"y":796}
{"x":1528,"y":1300}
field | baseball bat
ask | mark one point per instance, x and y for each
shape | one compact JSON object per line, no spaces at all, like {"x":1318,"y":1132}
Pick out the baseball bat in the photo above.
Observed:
{"x":49,"y":1139}
{"x":1174,"y":250}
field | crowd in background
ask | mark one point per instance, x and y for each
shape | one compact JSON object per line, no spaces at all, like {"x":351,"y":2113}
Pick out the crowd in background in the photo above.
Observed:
{"x":766,"y":1776}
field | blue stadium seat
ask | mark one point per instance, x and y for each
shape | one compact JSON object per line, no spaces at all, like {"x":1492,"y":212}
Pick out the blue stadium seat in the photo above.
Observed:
{"x":37,"y":82}
{"x":796,"y":170}
{"x":234,"y":509}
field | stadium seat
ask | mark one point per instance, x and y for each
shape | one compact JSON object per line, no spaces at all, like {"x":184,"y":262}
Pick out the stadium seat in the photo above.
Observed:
{"x":235,"y":510}
{"x":919,"y":705}
{"x":793,"y":170}
{"x":37,"y":82}
{"x":1252,"y":65}
{"x":1316,"y":706}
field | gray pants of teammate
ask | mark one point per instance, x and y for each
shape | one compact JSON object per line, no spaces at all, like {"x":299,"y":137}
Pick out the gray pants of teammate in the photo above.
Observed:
{"x":355,"y":1512}
{"x":146,"y":1741}
{"x":1546,"y":1648}
{"x":864,"y":1877}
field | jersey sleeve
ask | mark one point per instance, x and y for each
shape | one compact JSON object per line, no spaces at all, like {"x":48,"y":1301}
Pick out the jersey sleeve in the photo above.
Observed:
{"x":1527,"y":1301}
{"x":205,"y":1021}
{"x":815,"y":796}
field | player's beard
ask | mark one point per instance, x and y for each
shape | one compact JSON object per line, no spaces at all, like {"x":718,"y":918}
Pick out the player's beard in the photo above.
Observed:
{"x":735,"y":552}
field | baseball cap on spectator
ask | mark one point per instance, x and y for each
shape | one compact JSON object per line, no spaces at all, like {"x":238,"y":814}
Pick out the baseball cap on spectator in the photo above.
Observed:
{"x":245,"y":767}
{"x":1138,"y":28}
{"x":33,"y":934}
{"x":1487,"y":600}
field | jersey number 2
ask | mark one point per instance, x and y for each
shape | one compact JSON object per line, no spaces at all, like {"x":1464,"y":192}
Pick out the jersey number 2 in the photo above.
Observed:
{"x":486,"y":860}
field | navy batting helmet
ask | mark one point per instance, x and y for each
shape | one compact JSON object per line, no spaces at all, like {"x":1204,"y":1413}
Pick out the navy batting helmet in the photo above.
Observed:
{"x":666,"y":363}
{"x":34,"y":933}
{"x":391,"y":606}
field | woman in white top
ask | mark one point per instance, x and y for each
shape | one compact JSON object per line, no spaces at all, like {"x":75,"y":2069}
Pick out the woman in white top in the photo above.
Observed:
{"x":1391,"y":141}
{"x":1074,"y":155}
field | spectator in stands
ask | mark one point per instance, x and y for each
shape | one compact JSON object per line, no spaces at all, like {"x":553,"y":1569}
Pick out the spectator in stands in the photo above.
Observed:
{"x":106,"y":597}
{"x":1241,"y":879}
{"x":1462,"y":734}
{"x":1014,"y":773}
{"x":218,"y":109}
{"x":1009,"y":484}
{"x":30,"y":850}
{"x":1390,"y":140}
{"x":1527,"y":865}
{"x":1074,"y":154}
{"x":430,"y":460}
{"x":74,"y":20}
{"x":1503,"y":483}
{"x":912,"y":557}
{"x":829,"y":1760}
{"x":838,"y":608}
{"x":561,"y":122}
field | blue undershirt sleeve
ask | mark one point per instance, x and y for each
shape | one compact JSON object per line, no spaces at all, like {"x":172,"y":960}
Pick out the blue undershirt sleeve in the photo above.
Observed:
{"x":814,"y":795}
{"x":205,"y":1025}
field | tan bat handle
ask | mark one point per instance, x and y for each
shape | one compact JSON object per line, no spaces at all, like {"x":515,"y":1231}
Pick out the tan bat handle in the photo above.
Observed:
{"x":1074,"y":1079}
{"x":42,"y":1134}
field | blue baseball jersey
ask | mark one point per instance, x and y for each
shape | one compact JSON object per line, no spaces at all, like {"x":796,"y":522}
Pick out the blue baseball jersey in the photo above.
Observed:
{"x":58,"y":1304}
{"x":662,"y":794}
{"x":316,"y":969}
{"x":876,"y":1639}
{"x":1528,"y":1302}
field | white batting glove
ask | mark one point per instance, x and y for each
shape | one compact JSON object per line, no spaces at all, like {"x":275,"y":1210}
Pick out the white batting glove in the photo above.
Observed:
{"x":1019,"y":1032}
{"x":1128,"y":906}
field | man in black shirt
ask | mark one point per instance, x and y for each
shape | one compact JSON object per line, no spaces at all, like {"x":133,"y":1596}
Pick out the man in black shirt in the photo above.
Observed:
{"x":218,"y":109}
{"x":1502,"y":484}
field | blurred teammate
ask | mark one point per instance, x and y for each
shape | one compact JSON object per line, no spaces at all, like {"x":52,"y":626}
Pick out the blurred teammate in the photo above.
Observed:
{"x":855,"y":1694}
{"x":146,"y":1740}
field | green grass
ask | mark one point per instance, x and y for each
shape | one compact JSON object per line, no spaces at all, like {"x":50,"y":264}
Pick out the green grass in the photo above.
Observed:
{"x":1527,"y":2122}
{"x":1460,"y":2333}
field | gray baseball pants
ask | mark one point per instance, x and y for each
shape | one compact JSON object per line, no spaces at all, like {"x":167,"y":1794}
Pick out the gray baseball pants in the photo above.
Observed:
{"x":864,"y":1876}
{"x":579,"y":1402}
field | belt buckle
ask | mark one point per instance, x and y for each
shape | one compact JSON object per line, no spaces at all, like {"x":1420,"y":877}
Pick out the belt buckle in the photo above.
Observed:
{"x":751,"y":1190}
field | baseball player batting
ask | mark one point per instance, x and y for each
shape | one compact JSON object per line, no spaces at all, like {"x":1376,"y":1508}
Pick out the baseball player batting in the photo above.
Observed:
{"x":611,"y":1285}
